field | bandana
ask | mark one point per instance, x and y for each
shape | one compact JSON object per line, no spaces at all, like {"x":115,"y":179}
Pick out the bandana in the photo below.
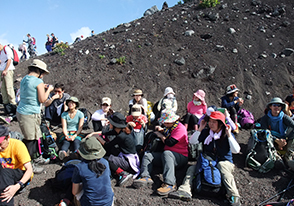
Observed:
{"x":167,"y":131}
{"x":212,"y":136}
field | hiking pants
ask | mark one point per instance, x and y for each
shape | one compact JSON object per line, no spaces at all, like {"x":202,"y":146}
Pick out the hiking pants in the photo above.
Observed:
{"x":66,"y":144}
{"x":169,"y":160}
{"x":226,"y":169}
{"x":9,"y":177}
{"x":191,"y":120}
{"x":187,"y":183}
{"x":7,"y":90}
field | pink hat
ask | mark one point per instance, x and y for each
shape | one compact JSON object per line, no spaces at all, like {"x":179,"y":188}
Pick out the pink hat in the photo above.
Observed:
{"x":200,"y":94}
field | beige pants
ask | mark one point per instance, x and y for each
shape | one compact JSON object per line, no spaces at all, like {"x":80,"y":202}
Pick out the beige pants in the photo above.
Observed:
{"x":30,"y":126}
{"x":7,"y":90}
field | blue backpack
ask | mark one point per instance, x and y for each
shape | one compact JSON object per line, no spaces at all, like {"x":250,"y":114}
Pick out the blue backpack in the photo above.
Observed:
{"x":208,"y":177}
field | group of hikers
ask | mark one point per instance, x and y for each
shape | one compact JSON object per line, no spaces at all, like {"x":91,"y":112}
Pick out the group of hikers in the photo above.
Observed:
{"x":122,"y":147}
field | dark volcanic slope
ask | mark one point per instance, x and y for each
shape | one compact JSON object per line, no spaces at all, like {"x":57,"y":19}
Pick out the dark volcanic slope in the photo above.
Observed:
{"x":152,"y":44}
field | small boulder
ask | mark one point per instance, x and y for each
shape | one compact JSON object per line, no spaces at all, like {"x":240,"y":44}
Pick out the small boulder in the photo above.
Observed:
{"x":180,"y":61}
{"x":151,"y":11}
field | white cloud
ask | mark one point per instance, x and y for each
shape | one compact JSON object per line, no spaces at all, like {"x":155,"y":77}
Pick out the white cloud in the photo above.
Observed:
{"x":85,"y":31}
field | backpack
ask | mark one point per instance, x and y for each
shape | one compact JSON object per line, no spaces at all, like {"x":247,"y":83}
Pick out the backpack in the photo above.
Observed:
{"x":150,"y":114}
{"x":260,"y":151}
{"x":33,"y":41}
{"x":87,"y":116}
{"x":152,"y":143}
{"x":15,"y":59}
{"x":208,"y":177}
{"x":62,"y":180}
{"x":246,"y":119}
{"x":48,"y":144}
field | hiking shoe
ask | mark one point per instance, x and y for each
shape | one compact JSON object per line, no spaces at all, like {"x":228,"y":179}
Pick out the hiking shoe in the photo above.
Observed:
{"x":235,"y":201}
{"x":123,"y":178}
{"x":42,"y":161}
{"x":37,"y":170}
{"x":165,"y":189}
{"x":62,"y":154}
{"x":142,"y":182}
{"x":279,"y":163}
{"x":182,"y":195}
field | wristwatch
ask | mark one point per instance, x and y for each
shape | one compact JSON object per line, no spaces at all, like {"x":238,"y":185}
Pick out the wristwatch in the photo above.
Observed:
{"x":21,"y":185}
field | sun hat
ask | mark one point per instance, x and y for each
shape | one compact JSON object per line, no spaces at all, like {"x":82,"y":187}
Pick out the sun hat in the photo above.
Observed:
{"x":91,"y":149}
{"x":106,"y":100}
{"x":168,"y":116}
{"x":137,"y":92}
{"x":73,"y":99}
{"x":200,"y":94}
{"x":3,"y":132}
{"x":217,"y":115}
{"x":136,"y":110}
{"x":276,"y":100}
{"x":231,"y":89}
{"x":168,"y":90}
{"x":117,"y":120}
{"x":40,"y":65}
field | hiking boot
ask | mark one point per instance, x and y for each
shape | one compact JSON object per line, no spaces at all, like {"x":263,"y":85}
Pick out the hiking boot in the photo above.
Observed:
{"x":142,"y":182}
{"x":235,"y":201}
{"x":182,"y":195}
{"x":37,"y":170}
{"x":42,"y":161}
{"x":62,"y":154}
{"x":123,"y":178}
{"x":165,"y":189}
{"x":279,"y":163}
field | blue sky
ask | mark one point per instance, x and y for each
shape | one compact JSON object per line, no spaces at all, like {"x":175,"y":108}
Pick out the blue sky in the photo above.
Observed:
{"x":67,"y":19}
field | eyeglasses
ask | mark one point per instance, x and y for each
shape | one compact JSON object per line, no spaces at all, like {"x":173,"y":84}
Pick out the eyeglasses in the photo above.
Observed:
{"x":277,"y":105}
{"x":57,"y":91}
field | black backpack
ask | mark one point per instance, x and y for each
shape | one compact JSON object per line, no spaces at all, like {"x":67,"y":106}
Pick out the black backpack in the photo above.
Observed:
{"x":152,"y":143}
{"x":87,"y":116}
{"x":48,"y":145}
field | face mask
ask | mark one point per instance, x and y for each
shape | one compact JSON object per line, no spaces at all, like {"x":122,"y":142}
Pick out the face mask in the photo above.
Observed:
{"x":197,"y":103}
{"x":170,"y":96}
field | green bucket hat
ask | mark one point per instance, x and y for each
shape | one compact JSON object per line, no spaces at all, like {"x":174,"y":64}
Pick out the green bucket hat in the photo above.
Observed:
{"x":73,"y":99}
{"x":276,"y":100}
{"x":91,"y":149}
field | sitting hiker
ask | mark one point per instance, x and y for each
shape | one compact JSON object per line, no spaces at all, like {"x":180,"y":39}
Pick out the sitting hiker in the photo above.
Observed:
{"x":281,"y":126}
{"x":195,"y":110}
{"x":72,"y":126}
{"x":289,"y":109}
{"x":175,"y":154}
{"x":232,"y":103}
{"x":127,"y":162}
{"x":94,"y":174}
{"x":55,"y":105}
{"x":138,"y":99}
{"x":99,"y":117}
{"x":138,"y":121}
{"x":217,"y":140}
{"x":167,"y":102}
{"x":16,"y":168}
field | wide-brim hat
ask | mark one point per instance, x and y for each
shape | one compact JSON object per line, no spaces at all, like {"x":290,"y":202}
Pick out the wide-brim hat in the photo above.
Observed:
{"x":137,"y":92}
{"x":91,"y":149}
{"x":276,"y":100}
{"x":231,"y":89}
{"x":40,"y":65}
{"x":168,"y":116}
{"x":200,"y":94}
{"x":73,"y":99}
{"x":217,"y":115}
{"x":168,"y":90}
{"x":117,"y":120}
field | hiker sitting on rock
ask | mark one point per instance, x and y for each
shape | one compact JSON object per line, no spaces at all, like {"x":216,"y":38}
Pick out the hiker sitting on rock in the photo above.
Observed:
{"x":55,"y":105}
{"x":217,"y":140}
{"x":175,"y":154}
{"x":99,"y":117}
{"x":281,"y":127}
{"x":139,"y":100}
{"x":72,"y":125}
{"x":15,"y":169}
{"x":232,"y":103}
{"x":195,"y":110}
{"x":127,"y":162}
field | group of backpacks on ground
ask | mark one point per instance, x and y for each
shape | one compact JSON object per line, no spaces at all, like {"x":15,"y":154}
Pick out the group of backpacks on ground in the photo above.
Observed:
{"x":123,"y":147}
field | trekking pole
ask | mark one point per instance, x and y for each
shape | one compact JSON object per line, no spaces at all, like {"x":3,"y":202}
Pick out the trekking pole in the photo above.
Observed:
{"x":282,"y":196}
{"x":284,"y":190}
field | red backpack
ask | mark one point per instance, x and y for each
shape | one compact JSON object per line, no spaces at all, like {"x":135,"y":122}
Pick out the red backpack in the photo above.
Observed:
{"x":15,"y":59}
{"x":34,"y":40}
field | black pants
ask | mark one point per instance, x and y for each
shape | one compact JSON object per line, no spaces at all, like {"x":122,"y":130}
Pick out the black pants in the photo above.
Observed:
{"x":97,"y":126}
{"x":9,"y":177}
{"x":191,"y":120}
{"x":233,"y":114}
{"x":33,"y":148}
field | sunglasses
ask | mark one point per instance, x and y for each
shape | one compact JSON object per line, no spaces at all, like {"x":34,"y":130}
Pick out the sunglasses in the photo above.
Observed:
{"x":277,"y":105}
